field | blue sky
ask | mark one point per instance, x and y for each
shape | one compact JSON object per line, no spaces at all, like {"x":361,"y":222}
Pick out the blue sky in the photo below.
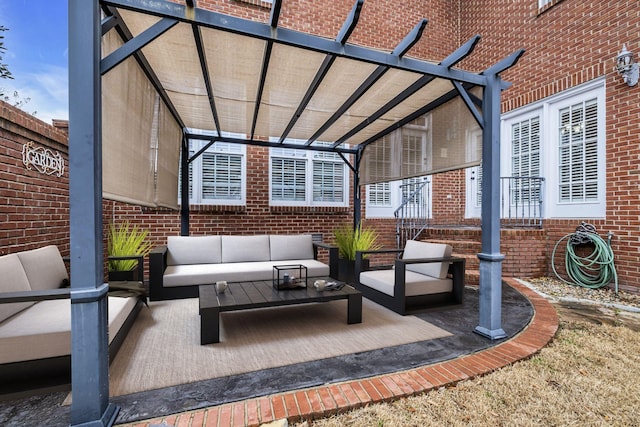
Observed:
{"x":37,"y":55}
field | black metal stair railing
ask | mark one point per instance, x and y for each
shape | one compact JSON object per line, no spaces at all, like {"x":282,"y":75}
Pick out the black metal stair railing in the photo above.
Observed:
{"x":412,"y":216}
{"x":521,"y":201}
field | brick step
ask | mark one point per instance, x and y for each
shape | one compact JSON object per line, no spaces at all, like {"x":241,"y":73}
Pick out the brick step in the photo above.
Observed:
{"x":472,"y":277}
{"x":461,"y":246}
{"x":471,"y":261}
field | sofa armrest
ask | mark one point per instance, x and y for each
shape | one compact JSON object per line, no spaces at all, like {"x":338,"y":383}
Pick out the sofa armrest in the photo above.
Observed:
{"x":456,"y":270}
{"x":157,"y":265}
{"x":333,"y":256}
{"x":28,"y":296}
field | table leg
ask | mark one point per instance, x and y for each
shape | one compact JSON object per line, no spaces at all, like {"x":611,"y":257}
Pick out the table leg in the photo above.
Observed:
{"x":354,"y":309}
{"x":209,"y":325}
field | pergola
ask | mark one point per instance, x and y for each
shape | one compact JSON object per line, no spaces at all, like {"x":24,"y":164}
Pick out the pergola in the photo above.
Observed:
{"x":148,"y":76}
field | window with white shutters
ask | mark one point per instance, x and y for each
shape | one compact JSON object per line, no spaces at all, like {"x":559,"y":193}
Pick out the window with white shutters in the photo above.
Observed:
{"x":525,"y":160}
{"x":379,"y":195}
{"x":578,"y":152}
{"x":288,"y":179}
{"x":307,"y":178}
{"x":561,"y":139}
{"x":217,"y":176}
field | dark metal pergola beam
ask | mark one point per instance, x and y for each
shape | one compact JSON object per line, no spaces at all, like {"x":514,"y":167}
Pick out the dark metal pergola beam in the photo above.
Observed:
{"x":325,"y":149}
{"x":469,"y":103}
{"x":108,"y":23}
{"x":294,"y":38}
{"x":126,"y":35}
{"x":411,"y":117}
{"x":397,"y":100}
{"x":134,"y":45}
{"x":266,"y":59}
{"x":456,"y":56}
{"x":350,"y":23}
{"x":402,"y":48}
{"x":346,"y":30}
{"x":410,"y":39}
{"x":504,"y":64}
{"x":205,"y":74}
{"x":274,"y":15}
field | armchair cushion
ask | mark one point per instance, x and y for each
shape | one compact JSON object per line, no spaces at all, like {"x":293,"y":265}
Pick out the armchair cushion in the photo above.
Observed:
{"x":15,"y":280}
{"x":185,"y":250}
{"x":415,"y":283}
{"x":414,"y":250}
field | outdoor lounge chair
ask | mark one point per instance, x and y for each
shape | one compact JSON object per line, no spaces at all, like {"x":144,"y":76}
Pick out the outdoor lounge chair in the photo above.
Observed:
{"x":426,"y":276}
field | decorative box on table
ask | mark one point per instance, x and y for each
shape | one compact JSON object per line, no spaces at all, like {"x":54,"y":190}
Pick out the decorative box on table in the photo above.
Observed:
{"x":292,"y":276}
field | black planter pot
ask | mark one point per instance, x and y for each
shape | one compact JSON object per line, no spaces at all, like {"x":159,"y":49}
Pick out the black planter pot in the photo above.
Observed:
{"x":347,"y":270}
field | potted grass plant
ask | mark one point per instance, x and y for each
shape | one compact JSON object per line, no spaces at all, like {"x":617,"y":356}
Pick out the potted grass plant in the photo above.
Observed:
{"x":349,"y":240}
{"x":126,"y":240}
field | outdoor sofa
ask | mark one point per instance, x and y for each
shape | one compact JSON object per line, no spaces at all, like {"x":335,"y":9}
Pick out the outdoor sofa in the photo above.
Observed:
{"x":426,"y":276}
{"x":185,"y":262}
{"x":35,"y":320}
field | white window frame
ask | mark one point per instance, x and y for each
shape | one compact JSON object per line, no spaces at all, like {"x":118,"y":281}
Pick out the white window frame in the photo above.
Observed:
{"x":309,"y":157}
{"x":420,"y":128}
{"x":548,"y":109}
{"x":394,"y":188}
{"x":223,"y":149}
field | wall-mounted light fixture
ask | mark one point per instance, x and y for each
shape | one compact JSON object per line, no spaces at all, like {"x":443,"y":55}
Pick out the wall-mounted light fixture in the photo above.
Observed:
{"x":626,"y":67}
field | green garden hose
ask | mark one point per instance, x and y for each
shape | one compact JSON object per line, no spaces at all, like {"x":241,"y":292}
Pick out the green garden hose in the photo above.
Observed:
{"x":593,"y":271}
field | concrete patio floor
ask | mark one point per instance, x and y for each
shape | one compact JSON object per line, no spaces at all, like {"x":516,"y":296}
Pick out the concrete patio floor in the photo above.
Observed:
{"x":327,"y":399}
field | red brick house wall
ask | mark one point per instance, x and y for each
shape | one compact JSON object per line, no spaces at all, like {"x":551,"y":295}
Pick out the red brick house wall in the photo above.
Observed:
{"x":567,"y":44}
{"x":34,"y":207}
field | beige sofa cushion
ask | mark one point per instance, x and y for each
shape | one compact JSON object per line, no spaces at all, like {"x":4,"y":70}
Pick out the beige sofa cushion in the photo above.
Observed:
{"x":414,"y":249}
{"x":245,"y":248}
{"x":291,"y":247}
{"x":44,"y":267}
{"x":44,"y":330}
{"x":14,"y":279}
{"x":415,"y":283}
{"x":186,"y":250}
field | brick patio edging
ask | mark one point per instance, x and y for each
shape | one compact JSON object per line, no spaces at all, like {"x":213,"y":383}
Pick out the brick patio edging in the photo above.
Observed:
{"x":326,"y":400}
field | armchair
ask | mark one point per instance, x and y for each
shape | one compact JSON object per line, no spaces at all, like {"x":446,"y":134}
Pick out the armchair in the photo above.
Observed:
{"x":426,"y":276}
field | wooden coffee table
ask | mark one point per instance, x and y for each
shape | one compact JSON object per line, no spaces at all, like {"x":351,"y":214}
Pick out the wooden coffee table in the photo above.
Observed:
{"x":260,"y":294}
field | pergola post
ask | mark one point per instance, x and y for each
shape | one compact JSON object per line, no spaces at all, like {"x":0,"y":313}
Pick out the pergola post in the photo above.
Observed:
{"x":357,"y":202}
{"x":89,"y":341}
{"x":490,"y":258}
{"x":184,"y":187}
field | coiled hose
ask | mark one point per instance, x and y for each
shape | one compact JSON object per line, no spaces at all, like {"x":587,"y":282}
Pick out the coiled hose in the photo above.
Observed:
{"x":593,"y":271}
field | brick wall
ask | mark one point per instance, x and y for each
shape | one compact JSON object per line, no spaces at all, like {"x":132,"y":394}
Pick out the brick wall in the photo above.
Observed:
{"x":570,"y":43}
{"x":34,"y":207}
